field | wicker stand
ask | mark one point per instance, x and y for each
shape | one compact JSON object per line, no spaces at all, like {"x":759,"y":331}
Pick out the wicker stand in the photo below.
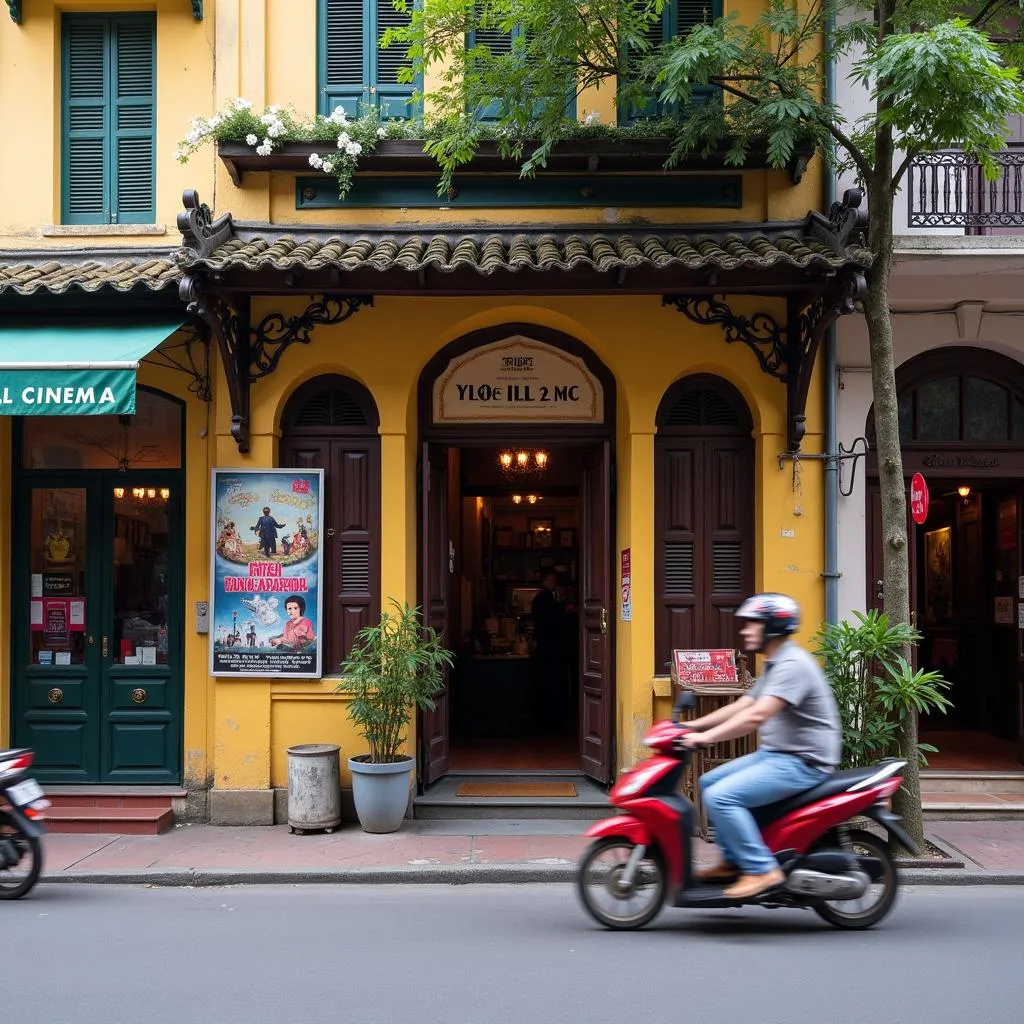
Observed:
{"x":710,"y":698}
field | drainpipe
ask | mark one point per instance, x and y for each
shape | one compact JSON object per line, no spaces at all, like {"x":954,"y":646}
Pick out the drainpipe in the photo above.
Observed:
{"x":831,"y":381}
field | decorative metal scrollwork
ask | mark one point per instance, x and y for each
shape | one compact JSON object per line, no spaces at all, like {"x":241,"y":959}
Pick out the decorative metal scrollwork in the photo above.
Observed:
{"x":275,"y":332}
{"x":56,"y":695}
{"x":138,"y":695}
{"x":760,"y":332}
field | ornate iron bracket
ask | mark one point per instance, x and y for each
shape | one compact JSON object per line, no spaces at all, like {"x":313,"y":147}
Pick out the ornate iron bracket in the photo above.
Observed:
{"x":858,"y":450}
{"x":275,"y":332}
{"x":785,"y":353}
{"x":191,"y":355}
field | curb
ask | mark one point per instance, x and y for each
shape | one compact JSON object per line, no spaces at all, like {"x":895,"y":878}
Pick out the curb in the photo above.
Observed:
{"x":464,"y":874}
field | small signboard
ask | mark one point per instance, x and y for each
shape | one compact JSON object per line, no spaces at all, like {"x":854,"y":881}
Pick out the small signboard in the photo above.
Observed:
{"x":918,"y":499}
{"x":704,"y":668}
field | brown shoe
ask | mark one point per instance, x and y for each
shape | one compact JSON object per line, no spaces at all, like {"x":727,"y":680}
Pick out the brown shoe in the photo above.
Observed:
{"x":723,"y":871}
{"x":749,"y":886}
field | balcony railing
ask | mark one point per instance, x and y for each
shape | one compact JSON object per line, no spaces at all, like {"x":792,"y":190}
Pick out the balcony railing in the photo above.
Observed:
{"x":948,"y":189}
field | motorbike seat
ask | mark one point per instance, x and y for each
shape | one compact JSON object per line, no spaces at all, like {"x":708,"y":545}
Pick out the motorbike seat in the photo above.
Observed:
{"x":836,"y":783}
{"x":6,"y":755}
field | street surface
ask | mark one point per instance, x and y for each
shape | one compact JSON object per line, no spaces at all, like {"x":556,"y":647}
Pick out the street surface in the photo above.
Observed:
{"x":482,"y":954}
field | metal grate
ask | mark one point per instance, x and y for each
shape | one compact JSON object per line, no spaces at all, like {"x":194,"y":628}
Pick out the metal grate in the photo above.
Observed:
{"x":334,"y":408}
{"x":355,"y":569}
{"x":679,"y":569}
{"x":727,"y":567}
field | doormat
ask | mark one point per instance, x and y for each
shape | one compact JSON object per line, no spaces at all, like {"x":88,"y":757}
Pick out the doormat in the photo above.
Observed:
{"x":516,"y":789}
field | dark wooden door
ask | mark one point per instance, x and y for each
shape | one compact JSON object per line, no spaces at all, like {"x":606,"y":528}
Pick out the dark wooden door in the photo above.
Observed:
{"x":97,"y":633}
{"x":597,"y":608}
{"x":704,"y":519}
{"x":437,"y":567}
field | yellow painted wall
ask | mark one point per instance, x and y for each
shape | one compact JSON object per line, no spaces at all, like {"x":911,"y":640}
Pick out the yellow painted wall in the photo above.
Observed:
{"x":385,"y":347}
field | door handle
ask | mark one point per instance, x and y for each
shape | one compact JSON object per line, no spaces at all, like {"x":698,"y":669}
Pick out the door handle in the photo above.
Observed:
{"x":105,"y":647}
{"x":604,"y":620}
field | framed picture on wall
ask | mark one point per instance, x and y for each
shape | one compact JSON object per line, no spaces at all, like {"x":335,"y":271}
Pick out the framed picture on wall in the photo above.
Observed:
{"x":938,"y":575}
{"x":566,"y":537}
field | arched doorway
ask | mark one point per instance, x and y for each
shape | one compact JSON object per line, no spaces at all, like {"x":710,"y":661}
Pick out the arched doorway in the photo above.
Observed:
{"x":962,"y":427}
{"x":331,"y":423}
{"x":703,"y":514}
{"x":97,"y":630}
{"x":517,"y":556}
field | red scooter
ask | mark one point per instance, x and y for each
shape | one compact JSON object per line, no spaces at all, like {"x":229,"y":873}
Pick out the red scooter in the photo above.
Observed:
{"x":642,"y":856}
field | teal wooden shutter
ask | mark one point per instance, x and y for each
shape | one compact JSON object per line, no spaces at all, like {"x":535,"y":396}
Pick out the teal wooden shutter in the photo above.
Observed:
{"x":499,"y":43}
{"x":85,"y":184}
{"x":344,"y":55}
{"x":108,"y":173}
{"x":393,"y":97}
{"x":134,"y":119}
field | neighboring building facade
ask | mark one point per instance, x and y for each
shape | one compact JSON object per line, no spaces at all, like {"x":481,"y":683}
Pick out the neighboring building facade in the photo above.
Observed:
{"x":288,"y":329}
{"x":956,"y":301}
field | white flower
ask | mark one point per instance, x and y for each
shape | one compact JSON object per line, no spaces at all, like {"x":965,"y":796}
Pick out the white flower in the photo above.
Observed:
{"x":353,"y":149}
{"x":275,"y":129}
{"x":266,"y":149}
{"x":267,"y":118}
{"x":315,"y":160}
{"x":177,"y":154}
{"x":192,"y":138}
{"x":337,"y":116}
{"x":251,"y":140}
{"x":242,"y":104}
{"x":382,"y":132}
{"x":327,"y":166}
{"x":274,"y":108}
{"x":343,"y":140}
{"x":592,"y":118}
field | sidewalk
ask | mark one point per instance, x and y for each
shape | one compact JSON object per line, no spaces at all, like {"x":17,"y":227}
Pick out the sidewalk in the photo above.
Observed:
{"x":452,"y":852}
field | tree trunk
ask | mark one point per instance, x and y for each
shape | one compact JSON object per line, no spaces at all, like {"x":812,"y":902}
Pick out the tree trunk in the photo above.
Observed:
{"x":895,"y":558}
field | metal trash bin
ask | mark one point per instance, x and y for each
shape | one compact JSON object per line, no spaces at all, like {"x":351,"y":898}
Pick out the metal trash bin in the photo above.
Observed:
{"x":314,"y":787}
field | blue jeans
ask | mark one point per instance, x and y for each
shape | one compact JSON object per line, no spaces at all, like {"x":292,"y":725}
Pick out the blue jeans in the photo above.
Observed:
{"x":752,"y":781}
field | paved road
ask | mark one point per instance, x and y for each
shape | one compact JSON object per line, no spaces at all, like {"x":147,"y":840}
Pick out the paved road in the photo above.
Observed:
{"x":495,"y":955}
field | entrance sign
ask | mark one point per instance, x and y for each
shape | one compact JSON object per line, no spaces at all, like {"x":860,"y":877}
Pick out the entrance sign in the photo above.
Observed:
{"x":627,"y":584}
{"x":517,"y":380}
{"x":697,"y":668}
{"x":918,"y":499}
{"x":265,"y":575}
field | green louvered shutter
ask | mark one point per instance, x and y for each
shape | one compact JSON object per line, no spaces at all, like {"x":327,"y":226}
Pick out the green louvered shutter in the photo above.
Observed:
{"x":85,"y":186}
{"x":134,"y":119}
{"x":109,"y":114}
{"x":344,"y":55}
{"x":499,"y":43}
{"x":393,"y":97}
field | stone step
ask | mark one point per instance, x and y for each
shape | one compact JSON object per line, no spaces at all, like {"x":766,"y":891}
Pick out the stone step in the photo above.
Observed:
{"x":440,"y":801}
{"x":1002,"y":782}
{"x":134,"y":821}
{"x":973,"y":806}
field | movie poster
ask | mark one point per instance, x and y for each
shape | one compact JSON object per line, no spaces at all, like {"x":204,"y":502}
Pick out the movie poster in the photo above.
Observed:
{"x":265,"y":602}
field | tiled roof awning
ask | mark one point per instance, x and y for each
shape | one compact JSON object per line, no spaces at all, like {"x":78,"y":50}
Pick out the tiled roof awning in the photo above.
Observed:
{"x":56,"y":272}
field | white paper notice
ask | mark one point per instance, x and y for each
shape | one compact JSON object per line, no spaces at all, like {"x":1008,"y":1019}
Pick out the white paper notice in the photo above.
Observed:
{"x":76,"y":617}
{"x":37,"y":584}
{"x":35,"y":615}
{"x":148,"y":655}
{"x":62,"y":658}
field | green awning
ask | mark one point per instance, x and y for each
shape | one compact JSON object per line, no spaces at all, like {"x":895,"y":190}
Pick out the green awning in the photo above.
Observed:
{"x":74,"y":370}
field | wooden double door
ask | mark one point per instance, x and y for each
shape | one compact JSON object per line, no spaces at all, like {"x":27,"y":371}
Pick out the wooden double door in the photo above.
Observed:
{"x":96,"y":631}
{"x":597,"y":606}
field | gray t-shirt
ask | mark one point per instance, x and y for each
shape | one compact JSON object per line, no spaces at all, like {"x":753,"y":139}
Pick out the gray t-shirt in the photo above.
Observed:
{"x":808,"y":725}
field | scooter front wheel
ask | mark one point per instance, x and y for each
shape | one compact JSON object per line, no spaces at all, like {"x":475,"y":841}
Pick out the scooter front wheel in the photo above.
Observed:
{"x":609,"y":897}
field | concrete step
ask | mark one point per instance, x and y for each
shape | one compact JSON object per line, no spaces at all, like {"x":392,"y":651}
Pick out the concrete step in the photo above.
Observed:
{"x":441,"y":802}
{"x":973,"y":806}
{"x":1000,"y":782}
{"x":117,"y":810}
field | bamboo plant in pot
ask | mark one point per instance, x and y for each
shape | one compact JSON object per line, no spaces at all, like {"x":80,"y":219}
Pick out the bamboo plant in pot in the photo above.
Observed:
{"x":393,"y":669}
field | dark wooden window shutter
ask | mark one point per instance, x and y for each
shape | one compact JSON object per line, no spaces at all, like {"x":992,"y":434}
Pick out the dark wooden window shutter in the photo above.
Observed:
{"x":109,"y":118}
{"x":331,"y":424}
{"x":704,"y":514}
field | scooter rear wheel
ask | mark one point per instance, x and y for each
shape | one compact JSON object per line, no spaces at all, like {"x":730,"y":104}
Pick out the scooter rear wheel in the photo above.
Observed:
{"x":869,"y":909}
{"x":611,"y":902}
{"x":18,"y":877}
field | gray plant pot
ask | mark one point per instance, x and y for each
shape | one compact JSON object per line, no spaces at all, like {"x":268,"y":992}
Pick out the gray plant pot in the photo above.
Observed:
{"x":380,"y":792}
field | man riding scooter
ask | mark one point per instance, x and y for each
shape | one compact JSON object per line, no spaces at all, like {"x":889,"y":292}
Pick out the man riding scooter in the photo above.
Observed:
{"x":792,"y":705}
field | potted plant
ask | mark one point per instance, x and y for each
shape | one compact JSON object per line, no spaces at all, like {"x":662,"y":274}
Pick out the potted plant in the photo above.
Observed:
{"x":393,"y":668}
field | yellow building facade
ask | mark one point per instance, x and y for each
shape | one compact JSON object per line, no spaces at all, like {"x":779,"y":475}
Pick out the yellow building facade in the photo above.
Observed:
{"x":275,"y":303}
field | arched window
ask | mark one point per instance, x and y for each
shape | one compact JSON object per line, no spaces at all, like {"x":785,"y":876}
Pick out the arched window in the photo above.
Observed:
{"x":704,"y":514}
{"x":331,"y":423}
{"x":961,"y":408}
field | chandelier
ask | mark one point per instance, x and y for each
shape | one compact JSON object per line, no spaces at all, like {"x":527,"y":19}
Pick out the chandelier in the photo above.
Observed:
{"x":530,"y":499}
{"x":522,"y":462}
{"x":143,"y":496}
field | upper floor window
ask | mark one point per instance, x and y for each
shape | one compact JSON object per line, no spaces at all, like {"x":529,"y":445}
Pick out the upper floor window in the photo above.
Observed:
{"x":678,"y":18}
{"x":961,"y":408}
{"x":354,"y":72}
{"x":108,"y":115}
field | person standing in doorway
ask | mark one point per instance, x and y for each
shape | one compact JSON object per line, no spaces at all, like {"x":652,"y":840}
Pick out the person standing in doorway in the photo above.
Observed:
{"x":550,"y":668}
{"x":266,"y":529}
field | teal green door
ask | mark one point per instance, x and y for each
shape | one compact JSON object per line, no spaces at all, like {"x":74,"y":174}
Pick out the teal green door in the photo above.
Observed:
{"x":97,"y":627}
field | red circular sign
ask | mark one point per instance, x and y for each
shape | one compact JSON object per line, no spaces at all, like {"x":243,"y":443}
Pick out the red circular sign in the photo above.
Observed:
{"x":918,"y":499}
